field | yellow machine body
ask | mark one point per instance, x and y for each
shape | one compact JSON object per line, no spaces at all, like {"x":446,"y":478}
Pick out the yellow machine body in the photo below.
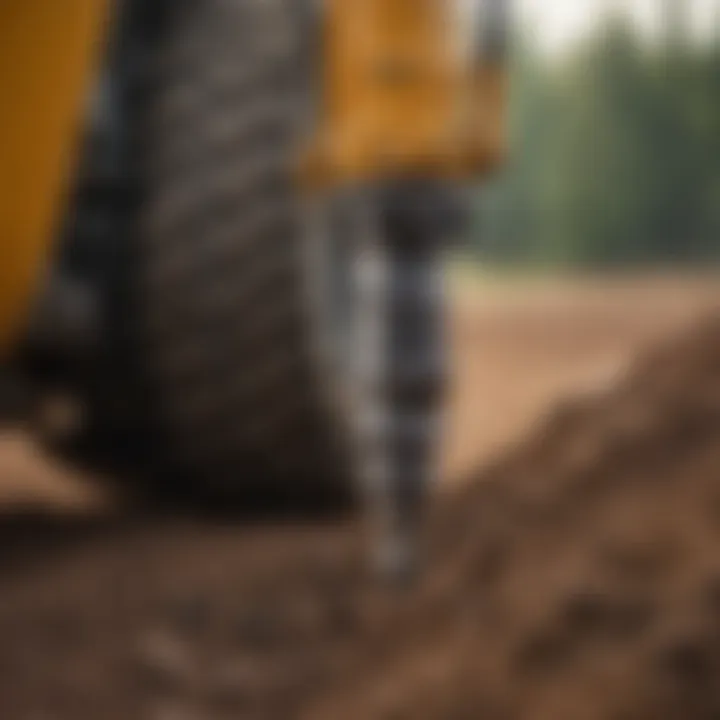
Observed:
{"x":403,"y":97}
{"x":48,"y":51}
{"x":398,"y":100}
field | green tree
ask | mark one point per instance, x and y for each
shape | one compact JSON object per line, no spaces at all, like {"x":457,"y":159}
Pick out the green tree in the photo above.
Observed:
{"x":616,"y":155}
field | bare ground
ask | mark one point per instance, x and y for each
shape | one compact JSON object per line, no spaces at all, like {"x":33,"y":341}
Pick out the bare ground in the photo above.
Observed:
{"x":519,"y":347}
{"x":574,"y":576}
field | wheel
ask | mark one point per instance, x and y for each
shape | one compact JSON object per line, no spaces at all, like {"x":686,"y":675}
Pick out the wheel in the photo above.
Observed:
{"x":226,"y":325}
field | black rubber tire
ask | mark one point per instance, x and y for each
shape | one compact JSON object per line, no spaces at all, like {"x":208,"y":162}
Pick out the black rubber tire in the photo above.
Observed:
{"x":221,"y":326}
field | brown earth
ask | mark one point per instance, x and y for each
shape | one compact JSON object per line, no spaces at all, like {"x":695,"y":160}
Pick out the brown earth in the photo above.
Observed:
{"x":576,"y":577}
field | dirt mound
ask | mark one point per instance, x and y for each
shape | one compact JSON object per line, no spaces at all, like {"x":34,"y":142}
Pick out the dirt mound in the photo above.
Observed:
{"x":579,"y":578}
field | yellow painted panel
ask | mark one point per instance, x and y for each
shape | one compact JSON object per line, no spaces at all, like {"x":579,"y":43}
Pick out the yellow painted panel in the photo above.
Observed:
{"x":401,"y":98}
{"x":48,"y":50}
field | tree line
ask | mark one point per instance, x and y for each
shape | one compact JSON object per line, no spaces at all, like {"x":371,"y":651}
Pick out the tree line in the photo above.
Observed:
{"x":615,"y":156}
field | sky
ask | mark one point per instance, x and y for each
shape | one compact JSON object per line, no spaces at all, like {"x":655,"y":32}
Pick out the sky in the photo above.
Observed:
{"x":559,"y":23}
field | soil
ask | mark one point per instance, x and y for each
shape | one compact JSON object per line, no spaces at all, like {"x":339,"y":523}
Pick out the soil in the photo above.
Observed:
{"x":579,"y":578}
{"x":574,"y":577}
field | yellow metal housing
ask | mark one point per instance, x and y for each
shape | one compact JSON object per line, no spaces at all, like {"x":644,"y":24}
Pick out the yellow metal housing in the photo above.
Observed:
{"x":48,"y":49}
{"x":400,"y":99}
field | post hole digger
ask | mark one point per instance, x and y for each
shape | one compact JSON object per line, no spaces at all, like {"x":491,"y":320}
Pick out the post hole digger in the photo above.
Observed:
{"x":221,"y":232}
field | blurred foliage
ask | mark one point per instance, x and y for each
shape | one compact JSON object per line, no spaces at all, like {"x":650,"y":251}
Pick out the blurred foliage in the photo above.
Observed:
{"x":615,"y":157}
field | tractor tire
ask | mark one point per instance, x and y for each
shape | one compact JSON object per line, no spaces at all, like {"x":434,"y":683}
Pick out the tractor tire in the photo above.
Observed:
{"x":224,"y":337}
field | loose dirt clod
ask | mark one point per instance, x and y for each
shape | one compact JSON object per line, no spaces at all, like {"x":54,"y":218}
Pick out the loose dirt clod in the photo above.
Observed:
{"x":576,"y":579}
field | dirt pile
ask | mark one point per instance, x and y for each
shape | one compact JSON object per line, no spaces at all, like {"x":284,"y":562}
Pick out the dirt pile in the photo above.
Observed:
{"x":581,"y":575}
{"x":579,"y":578}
